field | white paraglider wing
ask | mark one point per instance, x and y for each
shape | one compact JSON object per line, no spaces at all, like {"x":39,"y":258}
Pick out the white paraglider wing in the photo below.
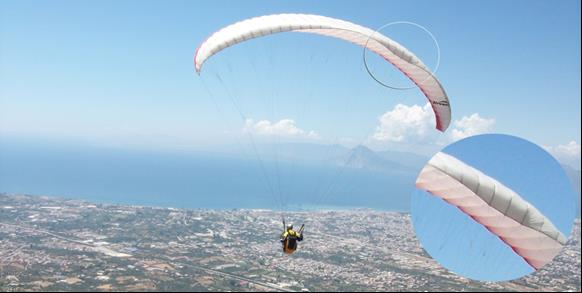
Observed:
{"x":390,"y":50}
{"x":495,"y":206}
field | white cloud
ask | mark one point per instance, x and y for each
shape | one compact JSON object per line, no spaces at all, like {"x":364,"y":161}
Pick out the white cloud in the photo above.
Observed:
{"x":570,"y":149}
{"x":404,"y":124}
{"x":283,"y":128}
{"x":567,"y":153}
{"x":469,"y":126}
{"x":416,"y":124}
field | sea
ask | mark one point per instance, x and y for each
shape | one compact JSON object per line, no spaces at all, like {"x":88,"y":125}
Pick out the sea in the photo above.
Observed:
{"x":194,"y":180}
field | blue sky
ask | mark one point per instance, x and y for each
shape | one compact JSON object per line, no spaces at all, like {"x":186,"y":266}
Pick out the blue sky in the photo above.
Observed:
{"x":530,"y":171}
{"x":120,"y":72}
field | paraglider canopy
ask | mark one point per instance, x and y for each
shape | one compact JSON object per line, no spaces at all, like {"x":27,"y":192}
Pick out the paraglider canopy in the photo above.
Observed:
{"x":390,"y":50}
{"x":495,"y":206}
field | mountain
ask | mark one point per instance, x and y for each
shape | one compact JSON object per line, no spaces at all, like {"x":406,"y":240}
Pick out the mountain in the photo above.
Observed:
{"x":362,"y":157}
{"x":359,"y":157}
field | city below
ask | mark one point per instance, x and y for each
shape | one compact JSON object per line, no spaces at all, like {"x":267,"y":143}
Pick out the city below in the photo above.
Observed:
{"x":51,"y":244}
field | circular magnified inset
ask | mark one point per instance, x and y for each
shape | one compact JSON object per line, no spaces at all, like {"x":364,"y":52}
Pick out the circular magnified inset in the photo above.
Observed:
{"x":493,"y":207}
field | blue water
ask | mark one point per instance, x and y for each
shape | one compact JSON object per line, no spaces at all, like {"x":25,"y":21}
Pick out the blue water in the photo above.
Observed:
{"x":192,"y":180}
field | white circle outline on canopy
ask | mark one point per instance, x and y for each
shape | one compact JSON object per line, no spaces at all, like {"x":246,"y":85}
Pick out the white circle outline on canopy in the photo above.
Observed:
{"x":431,"y":35}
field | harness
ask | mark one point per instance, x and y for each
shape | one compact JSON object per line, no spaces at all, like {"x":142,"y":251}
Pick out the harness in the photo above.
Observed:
{"x":291,"y":238}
